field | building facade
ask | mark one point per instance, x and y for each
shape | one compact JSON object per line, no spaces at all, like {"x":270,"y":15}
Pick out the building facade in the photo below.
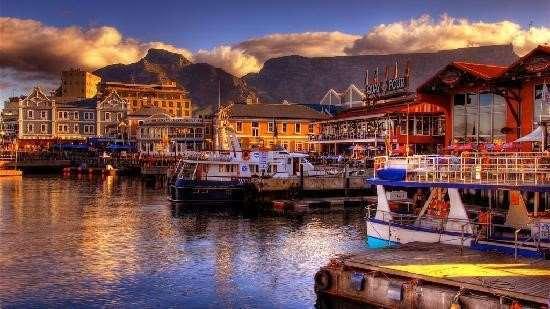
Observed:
{"x":493,"y":104}
{"x":161,"y":133}
{"x":78,"y":84}
{"x":387,"y":117}
{"x":169,"y":97}
{"x":269,"y":125}
{"x":38,"y":119}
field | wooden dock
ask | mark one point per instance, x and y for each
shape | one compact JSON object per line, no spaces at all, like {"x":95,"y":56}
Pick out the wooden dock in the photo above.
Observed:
{"x":324,"y":202}
{"x":422,"y":275}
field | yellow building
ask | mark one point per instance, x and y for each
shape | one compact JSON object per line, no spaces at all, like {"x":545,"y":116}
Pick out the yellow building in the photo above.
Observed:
{"x":169,"y":97}
{"x":271,"y":125}
{"x":78,"y":84}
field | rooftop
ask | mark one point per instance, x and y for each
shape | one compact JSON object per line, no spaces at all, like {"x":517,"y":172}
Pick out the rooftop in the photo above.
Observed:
{"x":286,"y":111}
{"x":148,"y":111}
{"x":485,"y":71}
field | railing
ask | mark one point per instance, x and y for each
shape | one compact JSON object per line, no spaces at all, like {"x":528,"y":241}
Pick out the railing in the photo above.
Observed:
{"x":343,"y":136}
{"x":480,"y":231}
{"x":490,"y":167}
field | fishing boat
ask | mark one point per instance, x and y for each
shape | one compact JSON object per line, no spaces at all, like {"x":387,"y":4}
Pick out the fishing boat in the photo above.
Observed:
{"x":444,"y":218}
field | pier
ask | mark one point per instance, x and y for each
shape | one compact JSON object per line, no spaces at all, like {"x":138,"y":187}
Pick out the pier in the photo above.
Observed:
{"x":434,"y":275}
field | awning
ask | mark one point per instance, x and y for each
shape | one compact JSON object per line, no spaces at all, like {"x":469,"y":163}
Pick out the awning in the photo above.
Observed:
{"x":535,"y":136}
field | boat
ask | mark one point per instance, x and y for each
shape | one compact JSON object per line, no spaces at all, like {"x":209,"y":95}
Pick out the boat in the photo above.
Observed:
{"x":227,"y":173}
{"x":444,"y":218}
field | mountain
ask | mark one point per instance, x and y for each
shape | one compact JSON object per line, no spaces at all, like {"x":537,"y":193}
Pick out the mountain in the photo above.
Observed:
{"x":200,"y":79}
{"x":306,"y":80}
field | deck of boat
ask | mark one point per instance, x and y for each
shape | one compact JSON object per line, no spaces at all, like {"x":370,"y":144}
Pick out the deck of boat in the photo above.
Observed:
{"x":464,"y":268}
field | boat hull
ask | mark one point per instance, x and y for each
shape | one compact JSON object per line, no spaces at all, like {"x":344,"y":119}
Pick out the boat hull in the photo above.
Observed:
{"x":208,"y":192}
{"x":402,"y":235}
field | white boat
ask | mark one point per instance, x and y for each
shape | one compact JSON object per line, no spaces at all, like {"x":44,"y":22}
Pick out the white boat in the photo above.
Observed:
{"x":225,"y":173}
{"x":443,"y":217}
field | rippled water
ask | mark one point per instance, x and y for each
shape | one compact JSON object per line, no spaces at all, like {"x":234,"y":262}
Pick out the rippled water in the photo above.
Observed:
{"x":117,"y":242}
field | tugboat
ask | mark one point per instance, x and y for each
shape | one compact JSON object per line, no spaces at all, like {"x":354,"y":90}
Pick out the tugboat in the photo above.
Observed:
{"x":443,"y":218}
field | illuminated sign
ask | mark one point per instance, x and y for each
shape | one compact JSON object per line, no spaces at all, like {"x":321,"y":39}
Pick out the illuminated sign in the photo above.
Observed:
{"x":387,"y":86}
{"x":391,"y":85}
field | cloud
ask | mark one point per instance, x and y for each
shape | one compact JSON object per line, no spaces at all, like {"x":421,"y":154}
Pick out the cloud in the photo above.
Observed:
{"x":29,"y":45}
{"x":425,"y":34}
{"x":248,"y":56}
{"x":232,"y":60}
{"x":309,"y":44}
{"x":31,"y":51}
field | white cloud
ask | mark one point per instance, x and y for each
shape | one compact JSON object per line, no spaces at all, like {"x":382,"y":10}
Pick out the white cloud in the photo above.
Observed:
{"x":29,"y":45}
{"x":232,"y":60}
{"x":425,"y":34}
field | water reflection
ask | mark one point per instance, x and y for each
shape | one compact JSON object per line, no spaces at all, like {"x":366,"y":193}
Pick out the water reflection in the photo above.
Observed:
{"x":115,"y":241}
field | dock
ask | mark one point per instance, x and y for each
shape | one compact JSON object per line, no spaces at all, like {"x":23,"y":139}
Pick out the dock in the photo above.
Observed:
{"x":324,"y":202}
{"x":423,"y":275}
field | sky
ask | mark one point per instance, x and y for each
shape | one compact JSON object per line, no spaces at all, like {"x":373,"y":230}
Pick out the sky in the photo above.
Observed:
{"x":40,"y":38}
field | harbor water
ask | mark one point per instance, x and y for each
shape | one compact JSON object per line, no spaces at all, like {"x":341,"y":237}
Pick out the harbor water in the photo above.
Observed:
{"x":117,"y":242}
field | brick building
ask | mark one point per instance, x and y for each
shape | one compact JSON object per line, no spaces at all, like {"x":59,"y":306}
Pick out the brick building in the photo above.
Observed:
{"x":269,"y":125}
{"x":169,"y":97}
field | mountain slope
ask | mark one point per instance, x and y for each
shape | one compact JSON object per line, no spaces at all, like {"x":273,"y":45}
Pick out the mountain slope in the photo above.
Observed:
{"x":306,"y":80}
{"x":200,"y":79}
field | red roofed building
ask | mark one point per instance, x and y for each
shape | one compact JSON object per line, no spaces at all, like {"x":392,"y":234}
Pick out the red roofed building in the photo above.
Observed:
{"x":464,"y":103}
{"x":392,"y":118}
{"x":493,"y":104}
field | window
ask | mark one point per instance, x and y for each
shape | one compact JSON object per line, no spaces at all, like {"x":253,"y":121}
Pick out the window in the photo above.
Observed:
{"x":88,"y":115}
{"x":88,"y":129}
{"x":43,"y":114}
{"x":30,"y":128}
{"x":65,"y":115}
{"x":478,"y":117}
{"x":297,"y":128}
{"x":255,"y":129}
{"x":30,"y":114}
{"x":75,"y":115}
{"x":285,"y":145}
{"x":171,"y":104}
{"x":43,"y":128}
{"x":63,"y":128}
{"x":119,"y":116}
{"x":284,"y":128}
{"x":187,"y":104}
{"x":270,"y":127}
{"x":310,"y":128}
{"x":299,"y":147}
{"x":107,"y":116}
{"x":76,"y":129}
{"x":239,"y":126}
{"x":542,"y":105}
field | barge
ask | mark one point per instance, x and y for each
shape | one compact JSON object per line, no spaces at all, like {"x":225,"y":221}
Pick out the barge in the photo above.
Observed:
{"x":427,"y":275}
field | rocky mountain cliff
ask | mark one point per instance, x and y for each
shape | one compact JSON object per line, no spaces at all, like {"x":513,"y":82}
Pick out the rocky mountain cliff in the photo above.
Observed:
{"x":200,"y":79}
{"x":306,"y":80}
{"x":293,"y":78}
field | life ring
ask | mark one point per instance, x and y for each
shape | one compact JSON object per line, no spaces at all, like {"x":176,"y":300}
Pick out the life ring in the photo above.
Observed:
{"x":323,"y":280}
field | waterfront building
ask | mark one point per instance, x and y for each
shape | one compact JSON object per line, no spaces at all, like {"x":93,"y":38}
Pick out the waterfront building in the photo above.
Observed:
{"x":161,"y":133}
{"x":271,"y":125}
{"x":172,"y":99}
{"x":78,"y":84}
{"x":494,"y":104}
{"x":37,"y":119}
{"x":386,"y":116}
